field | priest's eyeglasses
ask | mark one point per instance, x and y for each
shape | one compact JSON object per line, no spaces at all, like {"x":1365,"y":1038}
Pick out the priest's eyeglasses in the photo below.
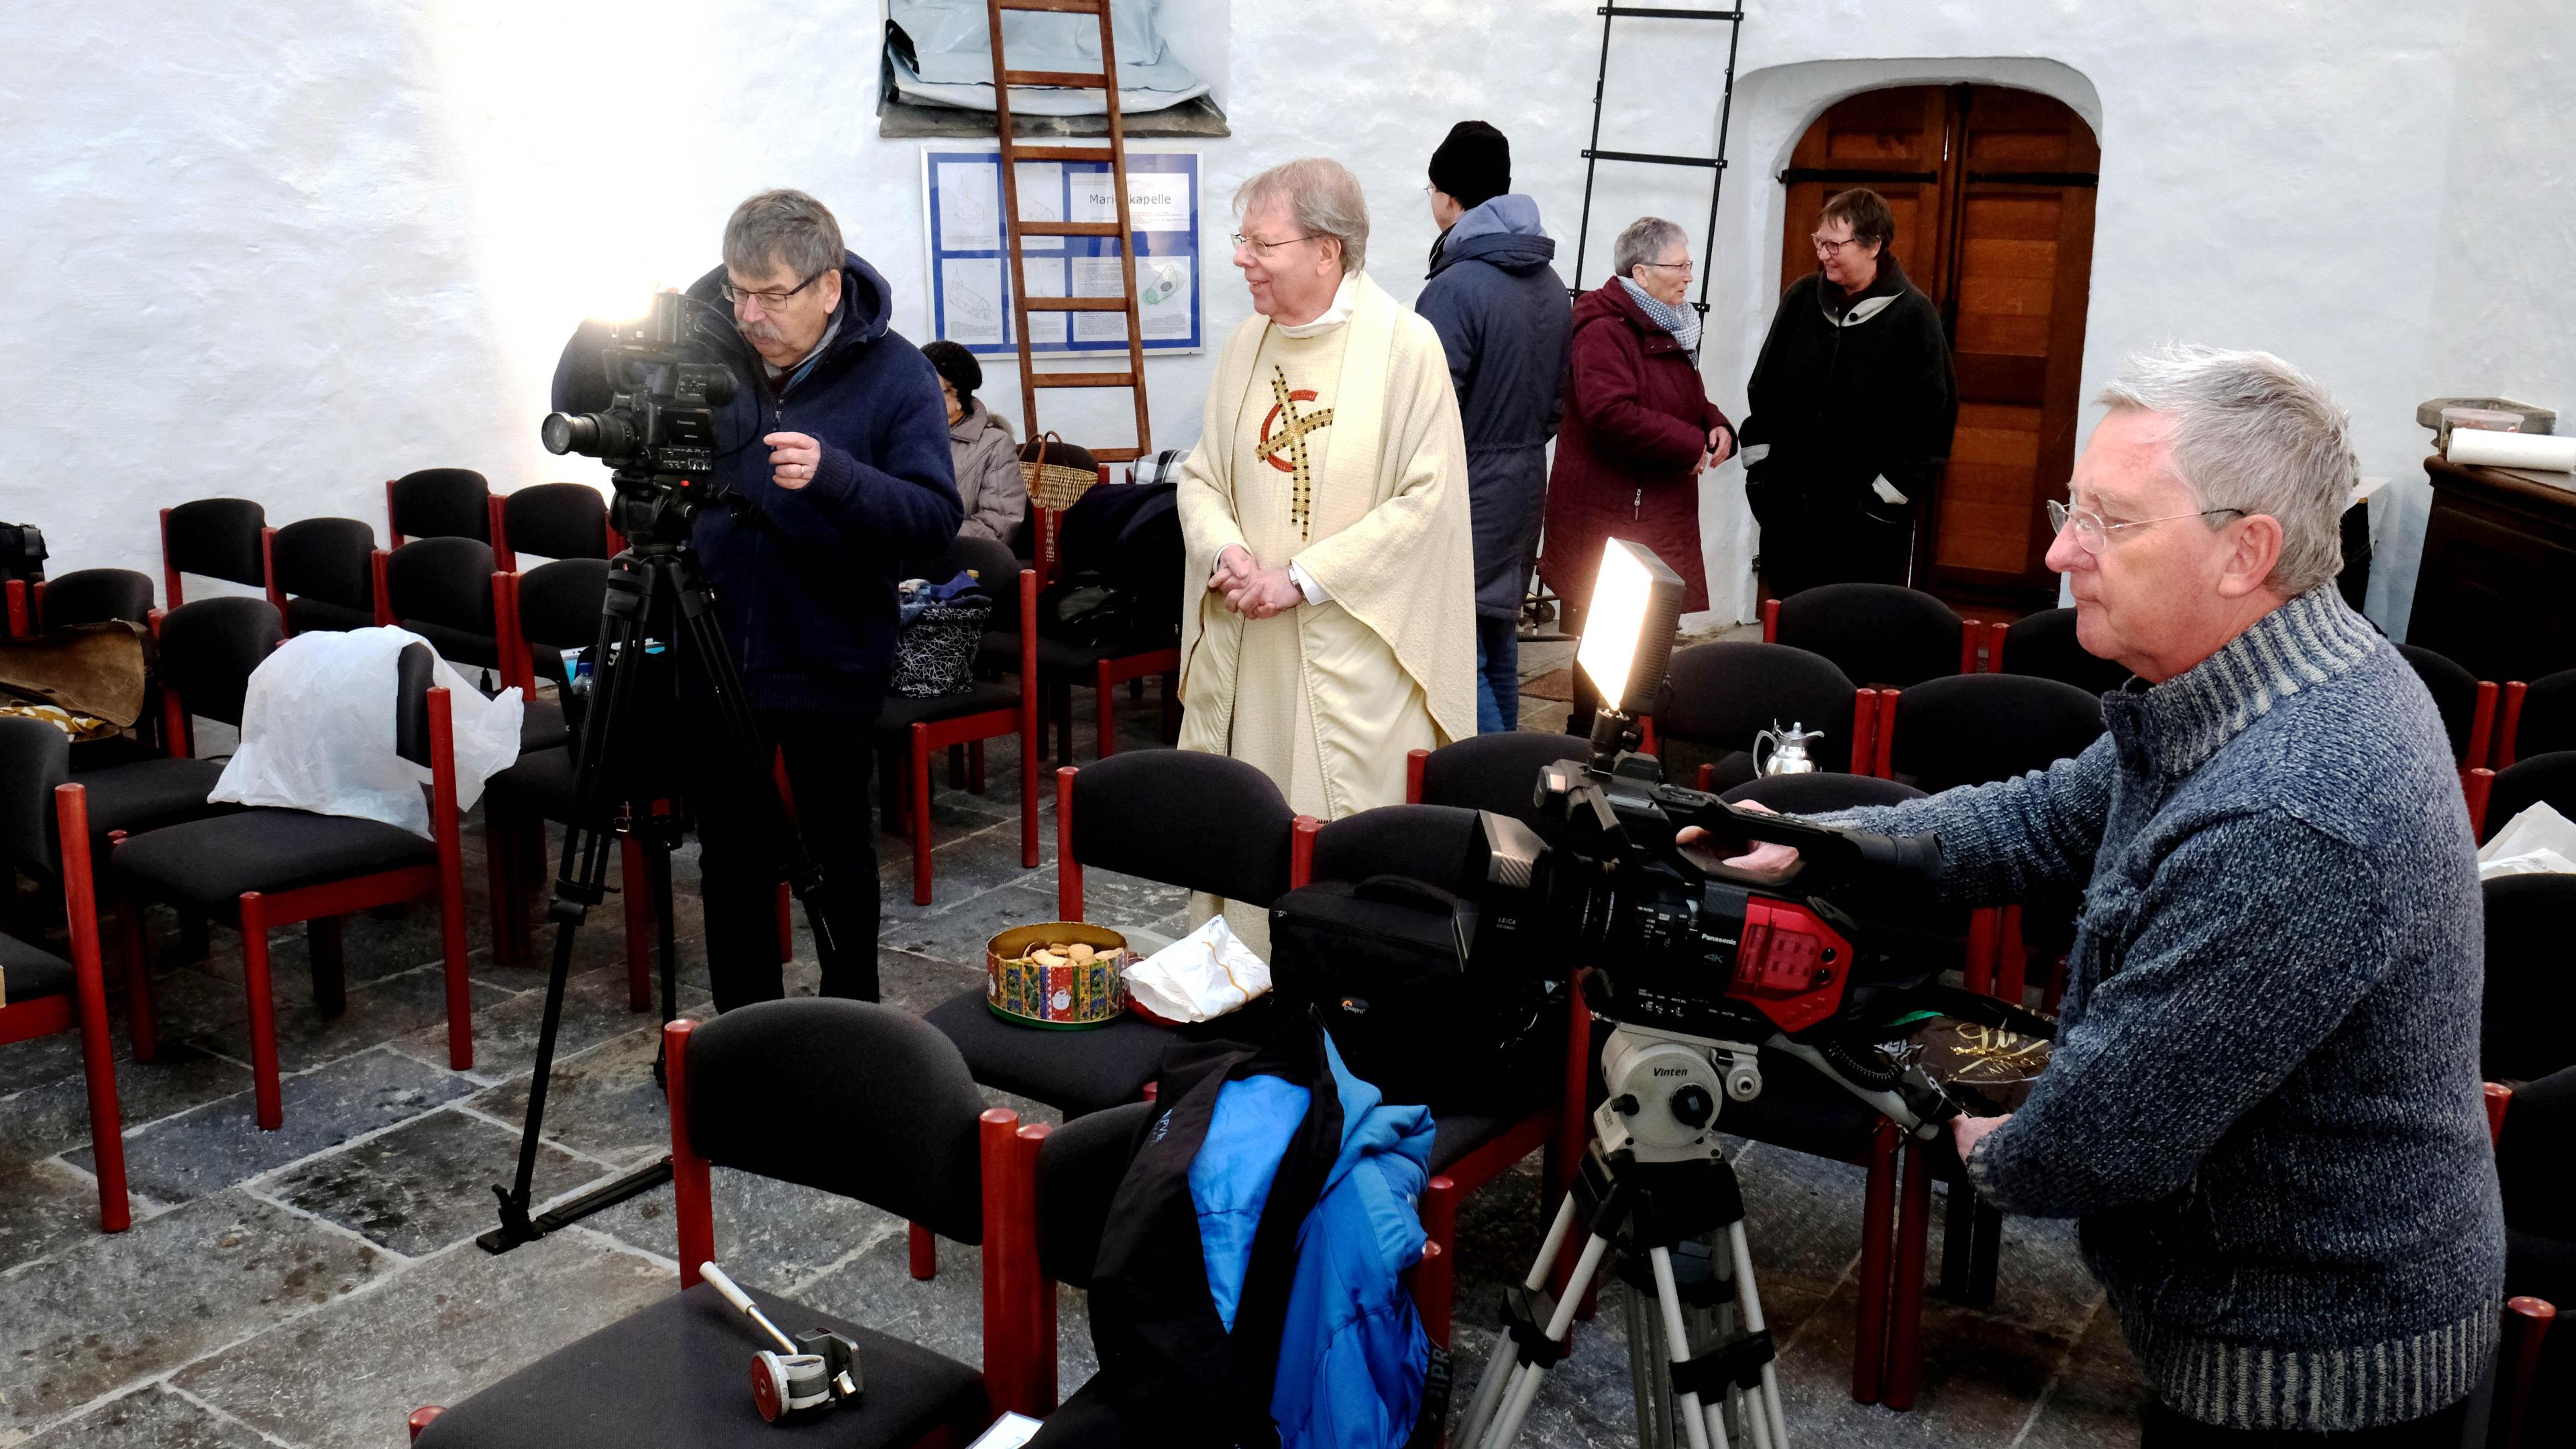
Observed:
{"x":1265,"y":248}
{"x":2093,"y":531}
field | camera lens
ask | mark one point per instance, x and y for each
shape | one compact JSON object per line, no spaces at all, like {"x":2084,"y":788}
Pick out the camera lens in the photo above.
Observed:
{"x":566,"y":433}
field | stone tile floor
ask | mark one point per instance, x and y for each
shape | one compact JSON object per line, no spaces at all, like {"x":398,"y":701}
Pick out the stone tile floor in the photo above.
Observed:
{"x":309,"y":1287}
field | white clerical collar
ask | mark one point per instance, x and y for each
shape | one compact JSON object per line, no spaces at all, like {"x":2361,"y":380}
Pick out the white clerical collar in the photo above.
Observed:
{"x":1345,"y":297}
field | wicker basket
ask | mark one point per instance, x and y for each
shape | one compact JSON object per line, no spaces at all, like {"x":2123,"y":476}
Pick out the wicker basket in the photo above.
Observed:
{"x":1057,"y":472}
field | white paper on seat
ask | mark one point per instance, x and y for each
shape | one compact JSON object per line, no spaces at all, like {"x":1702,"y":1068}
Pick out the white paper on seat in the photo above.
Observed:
{"x":318,"y":732}
{"x":1199,"y":977}
{"x":2536,"y":841}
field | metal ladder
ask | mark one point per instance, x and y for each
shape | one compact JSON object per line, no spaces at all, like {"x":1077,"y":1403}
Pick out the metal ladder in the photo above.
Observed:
{"x":1022,"y":304}
{"x":1593,"y":155}
{"x":1538,"y":610}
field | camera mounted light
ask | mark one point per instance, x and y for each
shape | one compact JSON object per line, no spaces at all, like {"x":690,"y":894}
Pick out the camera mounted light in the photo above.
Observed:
{"x":1628,"y":633}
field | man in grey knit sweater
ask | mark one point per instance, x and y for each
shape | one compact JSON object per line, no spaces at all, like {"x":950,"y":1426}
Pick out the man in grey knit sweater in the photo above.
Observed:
{"x":2263,"y":1104}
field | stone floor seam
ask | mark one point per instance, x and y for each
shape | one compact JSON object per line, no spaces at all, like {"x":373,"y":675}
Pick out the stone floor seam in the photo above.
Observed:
{"x":217,"y":1412}
{"x":402,"y":1260}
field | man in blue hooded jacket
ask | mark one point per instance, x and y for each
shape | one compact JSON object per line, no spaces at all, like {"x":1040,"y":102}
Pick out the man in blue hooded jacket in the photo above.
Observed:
{"x":1505,"y":320}
{"x":836,"y":446}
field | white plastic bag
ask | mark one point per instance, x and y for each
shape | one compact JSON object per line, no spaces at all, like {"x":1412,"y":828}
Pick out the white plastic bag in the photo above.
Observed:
{"x":318,"y":732}
{"x":1199,"y":977}
{"x":2537,"y":840}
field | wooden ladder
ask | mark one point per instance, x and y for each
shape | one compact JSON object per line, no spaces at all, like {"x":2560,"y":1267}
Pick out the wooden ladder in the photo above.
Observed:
{"x":1022,"y":304}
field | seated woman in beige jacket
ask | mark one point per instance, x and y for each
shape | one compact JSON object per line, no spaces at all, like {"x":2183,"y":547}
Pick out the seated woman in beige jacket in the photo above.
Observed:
{"x":987,"y":458}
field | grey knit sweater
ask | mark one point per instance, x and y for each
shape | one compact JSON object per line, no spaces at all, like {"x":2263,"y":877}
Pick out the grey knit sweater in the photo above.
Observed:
{"x":2263,"y":1104}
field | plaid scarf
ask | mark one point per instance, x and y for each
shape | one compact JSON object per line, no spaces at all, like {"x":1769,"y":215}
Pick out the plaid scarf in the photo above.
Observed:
{"x":1682,"y":322}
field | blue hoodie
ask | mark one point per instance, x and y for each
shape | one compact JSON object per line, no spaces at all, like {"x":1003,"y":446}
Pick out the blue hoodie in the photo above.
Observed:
{"x":1506,"y":322}
{"x":805,"y":578}
{"x":1352,"y":1352}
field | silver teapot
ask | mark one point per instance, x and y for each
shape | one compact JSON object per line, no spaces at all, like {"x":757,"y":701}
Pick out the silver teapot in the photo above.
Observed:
{"x":1788,"y":750}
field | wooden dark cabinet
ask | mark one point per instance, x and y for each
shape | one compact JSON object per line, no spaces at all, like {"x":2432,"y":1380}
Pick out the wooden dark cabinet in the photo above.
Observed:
{"x":2497,"y":587}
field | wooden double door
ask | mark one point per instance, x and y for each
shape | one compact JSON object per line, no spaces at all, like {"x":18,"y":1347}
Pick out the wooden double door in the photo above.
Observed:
{"x":1992,"y":189}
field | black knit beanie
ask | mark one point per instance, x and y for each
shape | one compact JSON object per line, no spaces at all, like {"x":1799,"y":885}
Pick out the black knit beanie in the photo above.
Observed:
{"x":957,"y":365}
{"x":1474,"y":165}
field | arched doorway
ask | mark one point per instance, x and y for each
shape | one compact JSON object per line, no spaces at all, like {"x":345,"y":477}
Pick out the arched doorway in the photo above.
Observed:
{"x":1993,"y":194}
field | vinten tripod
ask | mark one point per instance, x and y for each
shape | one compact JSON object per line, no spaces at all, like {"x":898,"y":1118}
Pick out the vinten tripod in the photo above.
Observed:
{"x":1655,"y":1187}
{"x":656,"y":577}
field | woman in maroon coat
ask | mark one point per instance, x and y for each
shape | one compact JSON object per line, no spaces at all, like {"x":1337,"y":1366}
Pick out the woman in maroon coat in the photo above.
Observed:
{"x":1639,"y":428}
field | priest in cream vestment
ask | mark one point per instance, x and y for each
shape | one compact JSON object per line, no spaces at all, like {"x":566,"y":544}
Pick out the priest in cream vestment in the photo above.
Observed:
{"x":1329,"y":622}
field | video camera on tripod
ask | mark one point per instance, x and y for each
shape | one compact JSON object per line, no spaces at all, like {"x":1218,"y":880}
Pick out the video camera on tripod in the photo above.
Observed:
{"x":658,"y":431}
{"x":1699,"y":966}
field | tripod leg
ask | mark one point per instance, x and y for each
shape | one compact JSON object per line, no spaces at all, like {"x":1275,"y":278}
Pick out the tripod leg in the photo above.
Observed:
{"x":1748,"y":1303}
{"x":1668,"y":1297}
{"x":1501,"y":1363}
{"x":1654,"y":1430}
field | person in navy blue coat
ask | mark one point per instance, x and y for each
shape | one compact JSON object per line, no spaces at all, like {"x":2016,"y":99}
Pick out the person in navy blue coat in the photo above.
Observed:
{"x":1506,"y":323}
{"x":836,"y":448}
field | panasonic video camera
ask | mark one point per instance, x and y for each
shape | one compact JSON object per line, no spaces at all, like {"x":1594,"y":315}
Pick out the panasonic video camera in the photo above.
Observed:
{"x":659,"y":430}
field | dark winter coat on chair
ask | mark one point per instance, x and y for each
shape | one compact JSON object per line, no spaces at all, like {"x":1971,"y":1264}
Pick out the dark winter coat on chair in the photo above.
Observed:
{"x":1636,"y":420}
{"x":1503,"y":319}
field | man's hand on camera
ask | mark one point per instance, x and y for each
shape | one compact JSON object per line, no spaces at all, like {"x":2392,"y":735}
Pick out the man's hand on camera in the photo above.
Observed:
{"x":1768,"y":861}
{"x":793,"y":458}
{"x":1969,"y":1131}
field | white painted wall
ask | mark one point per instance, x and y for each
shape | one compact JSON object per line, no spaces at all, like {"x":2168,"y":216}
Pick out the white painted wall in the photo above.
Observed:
{"x":287,"y":251}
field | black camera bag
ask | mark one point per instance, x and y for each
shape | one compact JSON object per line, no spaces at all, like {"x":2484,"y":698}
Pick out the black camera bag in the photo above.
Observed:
{"x":1120,"y":549}
{"x":1390,"y":963}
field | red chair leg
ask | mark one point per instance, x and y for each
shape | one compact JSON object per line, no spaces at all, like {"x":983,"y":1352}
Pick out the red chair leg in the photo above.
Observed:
{"x":141,"y":1026}
{"x":1104,"y":695}
{"x":2015,"y":956}
{"x":1905,"y":1307}
{"x":460,"y":986}
{"x":1877,"y":1234}
{"x":1434,"y":1282}
{"x":98,"y":1054}
{"x":975,"y":767}
{"x":786,"y":924}
{"x":420,"y":1418}
{"x":2526,"y":1324}
{"x":265,"y":1094}
{"x":1414,"y":760}
{"x":635,"y":906}
{"x":918,"y":772}
{"x":925,"y":1253}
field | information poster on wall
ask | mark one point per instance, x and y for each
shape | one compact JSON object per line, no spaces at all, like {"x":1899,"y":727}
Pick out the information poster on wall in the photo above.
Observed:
{"x":970,"y":298}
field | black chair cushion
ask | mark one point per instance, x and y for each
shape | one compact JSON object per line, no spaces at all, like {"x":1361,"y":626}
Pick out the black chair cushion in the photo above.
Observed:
{"x":2548,"y":720}
{"x":149,"y":794}
{"x":311,"y":615}
{"x":542,"y":726}
{"x":1497,"y":772}
{"x":2527,"y":782}
{"x":1079,"y":1167}
{"x":539,"y":782}
{"x":1184,"y":818}
{"x":28,"y":973}
{"x":1974,"y":729}
{"x":442,"y":503}
{"x":209,"y":648}
{"x":900,"y":714}
{"x":1455,"y":1134}
{"x":1878,"y":634}
{"x":678,"y":1373}
{"x":216,"y":537}
{"x":1720,"y":696}
{"x":329,"y":560}
{"x":457,"y":646}
{"x":2530,"y":996}
{"x":2454,"y":691}
{"x":559,"y":605}
{"x":1820,"y":793}
{"x":557,"y":520}
{"x":899,"y":1106}
{"x":209,"y":863}
{"x":1077,"y":1072}
{"x":2044,"y":645}
{"x":91,"y":596}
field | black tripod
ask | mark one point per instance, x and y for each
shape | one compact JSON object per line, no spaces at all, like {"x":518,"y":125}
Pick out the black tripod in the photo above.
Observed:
{"x":657,"y":571}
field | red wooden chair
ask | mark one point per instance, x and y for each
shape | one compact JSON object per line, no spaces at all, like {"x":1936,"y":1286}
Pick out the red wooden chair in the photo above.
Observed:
{"x":2526,"y":1320}
{"x":216,"y":538}
{"x":551,"y":520}
{"x":41,"y":994}
{"x":910,"y":1135}
{"x":1879,"y":634}
{"x":438,"y":503}
{"x":322,"y":575}
{"x":273,"y":867}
